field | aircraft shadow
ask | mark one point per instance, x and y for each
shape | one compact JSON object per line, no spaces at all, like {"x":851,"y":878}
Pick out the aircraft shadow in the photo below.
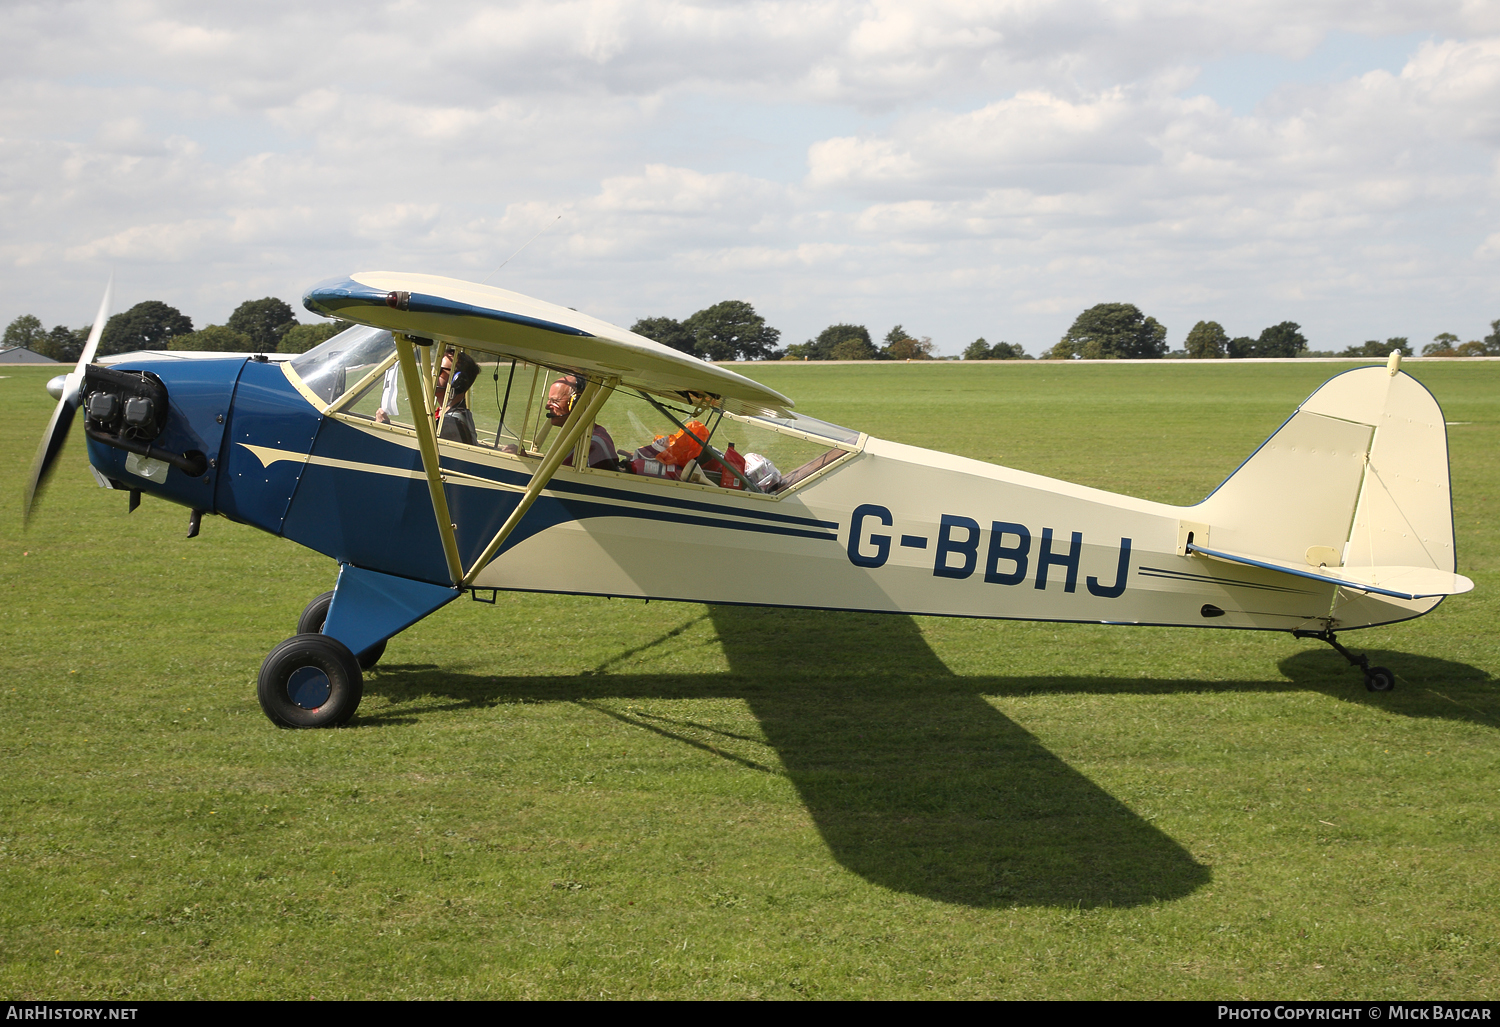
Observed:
{"x":917,"y":783}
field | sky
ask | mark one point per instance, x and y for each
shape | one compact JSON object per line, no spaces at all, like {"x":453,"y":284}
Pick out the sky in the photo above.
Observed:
{"x":962,"y":168}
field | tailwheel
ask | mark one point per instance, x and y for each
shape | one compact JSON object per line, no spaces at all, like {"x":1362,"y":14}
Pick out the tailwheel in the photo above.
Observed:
{"x":1377,"y":679}
{"x":311,"y":623}
{"x":310,"y":680}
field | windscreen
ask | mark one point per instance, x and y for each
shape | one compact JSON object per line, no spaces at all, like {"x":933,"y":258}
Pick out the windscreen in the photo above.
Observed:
{"x":332,"y":367}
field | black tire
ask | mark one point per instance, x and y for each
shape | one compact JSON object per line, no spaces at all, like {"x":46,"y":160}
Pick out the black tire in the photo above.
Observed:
{"x":371,"y":656}
{"x":1379,"y":679}
{"x":312,"y":620}
{"x":310,"y":681}
{"x":315,"y":613}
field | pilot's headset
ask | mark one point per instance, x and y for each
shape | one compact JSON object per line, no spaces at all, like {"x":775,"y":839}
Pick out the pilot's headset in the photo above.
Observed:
{"x":465,"y":372}
{"x":576,"y":382}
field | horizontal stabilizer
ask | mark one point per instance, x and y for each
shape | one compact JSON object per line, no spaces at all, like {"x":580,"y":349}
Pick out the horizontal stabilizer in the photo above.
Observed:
{"x":1397,"y":582}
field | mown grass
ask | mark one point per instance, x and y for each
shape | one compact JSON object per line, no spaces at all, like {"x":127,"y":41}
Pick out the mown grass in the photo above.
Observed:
{"x":559,"y":797}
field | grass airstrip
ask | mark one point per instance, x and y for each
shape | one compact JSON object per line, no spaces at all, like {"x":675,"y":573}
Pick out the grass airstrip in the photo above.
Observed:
{"x":562,"y":797}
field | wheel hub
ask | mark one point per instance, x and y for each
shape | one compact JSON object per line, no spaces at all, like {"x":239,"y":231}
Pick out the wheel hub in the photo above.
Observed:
{"x":308,"y":687}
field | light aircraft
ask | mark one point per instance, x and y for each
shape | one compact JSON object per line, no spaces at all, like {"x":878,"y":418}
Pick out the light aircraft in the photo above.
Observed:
{"x":718,"y":491}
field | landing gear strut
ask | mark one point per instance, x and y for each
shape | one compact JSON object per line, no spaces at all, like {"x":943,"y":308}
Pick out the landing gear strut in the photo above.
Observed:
{"x":1377,"y":679}
{"x":311,"y":622}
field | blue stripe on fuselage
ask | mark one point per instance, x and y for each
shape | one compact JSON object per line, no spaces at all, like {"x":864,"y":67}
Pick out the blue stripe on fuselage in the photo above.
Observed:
{"x":367,"y":447}
{"x":384,"y":521}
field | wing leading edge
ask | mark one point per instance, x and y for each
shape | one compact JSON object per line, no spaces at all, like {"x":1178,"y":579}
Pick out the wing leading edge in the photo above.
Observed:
{"x":509,"y":324}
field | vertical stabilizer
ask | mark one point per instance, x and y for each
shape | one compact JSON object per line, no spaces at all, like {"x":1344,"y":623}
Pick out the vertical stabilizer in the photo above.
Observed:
{"x":1356,"y":478}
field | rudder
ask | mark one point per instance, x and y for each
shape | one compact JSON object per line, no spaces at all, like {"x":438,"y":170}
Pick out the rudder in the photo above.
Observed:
{"x":1356,"y":478}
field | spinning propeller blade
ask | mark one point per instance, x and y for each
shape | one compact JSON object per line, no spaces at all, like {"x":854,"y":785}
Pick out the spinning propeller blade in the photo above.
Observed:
{"x":62,"y":416}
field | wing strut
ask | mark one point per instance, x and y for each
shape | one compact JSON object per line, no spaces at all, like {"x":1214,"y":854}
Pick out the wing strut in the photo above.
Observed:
{"x":584,"y":412}
{"x":421,"y":403}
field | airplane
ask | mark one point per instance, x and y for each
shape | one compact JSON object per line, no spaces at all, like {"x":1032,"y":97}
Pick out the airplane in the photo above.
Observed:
{"x":652,"y":474}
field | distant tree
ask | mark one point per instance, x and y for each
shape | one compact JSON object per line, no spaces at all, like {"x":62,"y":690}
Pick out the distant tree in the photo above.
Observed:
{"x":731,"y":329}
{"x":1376,"y":348}
{"x":1207,"y":341}
{"x":836,"y":342}
{"x":1472,"y":348}
{"x":977,"y":350}
{"x":1112,"y":331}
{"x":25,"y":332}
{"x":148,"y":325}
{"x":1008,"y":351}
{"x":853,"y":349}
{"x":909,"y":349}
{"x":1283,"y":340}
{"x":1444,"y":344}
{"x":217,"y":339}
{"x":1492,"y":340}
{"x":902,"y":345}
{"x":667,"y":332}
{"x":301,"y":338}
{"x":64,"y":344}
{"x":264,"y":320}
{"x":843,"y":342}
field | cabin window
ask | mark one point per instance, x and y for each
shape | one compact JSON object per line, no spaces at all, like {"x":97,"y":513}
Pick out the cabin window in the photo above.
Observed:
{"x":812,"y":426}
{"x":358,"y":374}
{"x":332,"y":368}
{"x":507,"y":401}
{"x":785,"y":443}
{"x":649,"y":437}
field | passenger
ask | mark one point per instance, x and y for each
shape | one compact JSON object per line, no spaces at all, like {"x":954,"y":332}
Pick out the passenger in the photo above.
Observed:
{"x":389,"y":396}
{"x":458,"y":375}
{"x":565,"y":392}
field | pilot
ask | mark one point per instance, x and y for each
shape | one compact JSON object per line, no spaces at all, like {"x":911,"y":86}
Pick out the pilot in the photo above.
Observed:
{"x":459,"y":375}
{"x":561,"y":397}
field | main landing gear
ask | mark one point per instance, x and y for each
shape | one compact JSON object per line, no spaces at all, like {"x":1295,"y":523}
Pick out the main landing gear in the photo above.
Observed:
{"x":312,"y":680}
{"x":311,"y":622}
{"x":1377,"y":679}
{"x":316,"y":677}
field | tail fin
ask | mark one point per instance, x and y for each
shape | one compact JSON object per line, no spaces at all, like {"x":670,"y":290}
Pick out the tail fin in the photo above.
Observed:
{"x":1352,"y":489}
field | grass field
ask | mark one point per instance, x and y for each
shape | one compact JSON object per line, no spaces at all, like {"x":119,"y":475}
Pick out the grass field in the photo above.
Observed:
{"x":559,"y":797}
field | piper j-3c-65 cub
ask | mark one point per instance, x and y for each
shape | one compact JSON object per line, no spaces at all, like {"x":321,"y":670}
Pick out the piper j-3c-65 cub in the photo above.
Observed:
{"x":653,"y":470}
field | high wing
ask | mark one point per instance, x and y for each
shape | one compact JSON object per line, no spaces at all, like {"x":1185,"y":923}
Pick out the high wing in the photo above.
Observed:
{"x":509,"y":324}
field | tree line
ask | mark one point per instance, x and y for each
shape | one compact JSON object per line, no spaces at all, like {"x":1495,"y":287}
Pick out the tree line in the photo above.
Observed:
{"x":1117,"y":331}
{"x":265,"y":325}
{"x":732,"y":330}
{"x":853,"y":342}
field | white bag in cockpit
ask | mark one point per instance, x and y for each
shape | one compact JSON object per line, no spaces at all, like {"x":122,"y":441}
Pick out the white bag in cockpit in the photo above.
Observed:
{"x":761,"y":471}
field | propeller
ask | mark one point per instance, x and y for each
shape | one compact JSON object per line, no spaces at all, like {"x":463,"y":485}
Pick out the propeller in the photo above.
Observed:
{"x":62,"y":416}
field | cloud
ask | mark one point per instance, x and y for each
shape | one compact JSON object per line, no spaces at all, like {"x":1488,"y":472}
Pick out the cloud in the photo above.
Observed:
{"x":962,"y":167}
